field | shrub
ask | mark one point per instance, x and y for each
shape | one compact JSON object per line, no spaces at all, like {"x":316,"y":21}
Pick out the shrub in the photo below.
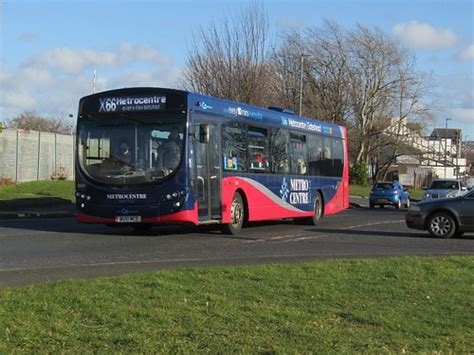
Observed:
{"x":358,"y":174}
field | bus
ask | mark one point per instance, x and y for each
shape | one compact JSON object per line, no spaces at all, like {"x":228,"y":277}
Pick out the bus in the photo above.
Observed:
{"x":150,"y":156}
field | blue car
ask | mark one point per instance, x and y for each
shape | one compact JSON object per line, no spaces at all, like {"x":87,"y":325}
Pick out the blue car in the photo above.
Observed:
{"x":389,"y":193}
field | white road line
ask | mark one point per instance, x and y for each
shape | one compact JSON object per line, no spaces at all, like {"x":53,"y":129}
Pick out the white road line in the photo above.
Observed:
{"x":305,"y":236}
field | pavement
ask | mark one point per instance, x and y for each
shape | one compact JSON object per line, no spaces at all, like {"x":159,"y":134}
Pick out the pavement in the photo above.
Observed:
{"x":53,"y":207}
{"x":48,"y":207}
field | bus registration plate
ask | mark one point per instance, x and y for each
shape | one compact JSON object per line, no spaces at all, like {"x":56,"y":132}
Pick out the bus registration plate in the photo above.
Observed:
{"x":128,"y":219}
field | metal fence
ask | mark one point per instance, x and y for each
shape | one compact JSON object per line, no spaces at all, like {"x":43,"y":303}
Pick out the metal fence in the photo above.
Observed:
{"x":32,"y":155}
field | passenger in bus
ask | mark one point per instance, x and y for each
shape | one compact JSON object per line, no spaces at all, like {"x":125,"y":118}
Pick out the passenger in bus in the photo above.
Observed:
{"x":169,"y":153}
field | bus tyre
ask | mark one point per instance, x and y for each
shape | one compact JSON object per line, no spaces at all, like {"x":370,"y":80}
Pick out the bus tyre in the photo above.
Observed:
{"x":318,"y":208}
{"x":237,"y":216}
{"x":318,"y":212}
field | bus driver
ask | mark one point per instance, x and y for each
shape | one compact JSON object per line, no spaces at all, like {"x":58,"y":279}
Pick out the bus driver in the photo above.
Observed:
{"x":169,"y":153}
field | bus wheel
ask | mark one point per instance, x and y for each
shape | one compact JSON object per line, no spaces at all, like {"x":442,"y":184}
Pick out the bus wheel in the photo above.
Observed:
{"x":237,"y":214}
{"x":318,"y":212}
{"x":318,"y":208}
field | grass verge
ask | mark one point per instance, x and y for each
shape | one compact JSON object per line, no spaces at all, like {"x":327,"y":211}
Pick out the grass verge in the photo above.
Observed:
{"x":63,"y":189}
{"x":393,"y":305}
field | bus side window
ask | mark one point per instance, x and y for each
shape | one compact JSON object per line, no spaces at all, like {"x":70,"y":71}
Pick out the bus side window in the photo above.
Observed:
{"x":234,"y":147}
{"x":315,"y":150}
{"x":279,"y":151}
{"x":258,"y":150}
{"x":299,"y":157}
{"x":338,"y":157}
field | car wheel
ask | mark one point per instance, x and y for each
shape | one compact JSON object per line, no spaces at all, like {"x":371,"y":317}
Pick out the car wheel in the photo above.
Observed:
{"x":407,"y":205}
{"x":441,"y":225}
{"x":371,"y":205}
{"x":398,"y":204}
{"x":237,"y":215}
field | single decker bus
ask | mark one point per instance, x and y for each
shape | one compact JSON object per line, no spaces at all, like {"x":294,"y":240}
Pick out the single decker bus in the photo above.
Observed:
{"x":148,"y":156}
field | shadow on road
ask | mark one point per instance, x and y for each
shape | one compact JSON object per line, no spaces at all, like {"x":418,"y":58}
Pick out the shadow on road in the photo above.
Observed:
{"x":414,"y":234}
{"x":70,"y":226}
{"x":28,"y":204}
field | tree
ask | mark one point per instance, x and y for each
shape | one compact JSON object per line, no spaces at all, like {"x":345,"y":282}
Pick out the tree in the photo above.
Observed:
{"x":359,"y":78}
{"x":325,"y":80}
{"x":230,"y":61}
{"x":30,"y":120}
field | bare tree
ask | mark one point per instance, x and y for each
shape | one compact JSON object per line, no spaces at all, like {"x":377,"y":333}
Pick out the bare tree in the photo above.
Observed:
{"x":230,"y":60}
{"x":30,"y":120}
{"x":359,"y":78}
{"x":325,"y":79}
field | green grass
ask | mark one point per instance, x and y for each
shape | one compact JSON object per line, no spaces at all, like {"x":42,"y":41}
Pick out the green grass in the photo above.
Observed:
{"x":390,"y":306}
{"x":364,"y":191}
{"x":34,"y":189}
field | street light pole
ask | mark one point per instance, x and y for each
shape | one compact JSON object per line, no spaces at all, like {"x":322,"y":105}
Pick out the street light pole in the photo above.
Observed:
{"x":446,"y":146}
{"x":301,"y":82}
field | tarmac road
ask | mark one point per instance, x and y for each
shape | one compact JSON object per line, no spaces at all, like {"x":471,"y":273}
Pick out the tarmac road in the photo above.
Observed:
{"x":39,"y":250}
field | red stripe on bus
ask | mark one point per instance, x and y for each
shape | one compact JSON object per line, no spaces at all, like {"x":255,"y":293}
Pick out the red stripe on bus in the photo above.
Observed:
{"x":260,"y":207}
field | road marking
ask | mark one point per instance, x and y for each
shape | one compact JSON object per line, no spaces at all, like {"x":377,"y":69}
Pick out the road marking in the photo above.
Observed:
{"x":305,"y":236}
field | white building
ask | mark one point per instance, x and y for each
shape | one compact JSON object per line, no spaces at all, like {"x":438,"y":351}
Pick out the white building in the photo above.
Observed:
{"x":438,"y":154}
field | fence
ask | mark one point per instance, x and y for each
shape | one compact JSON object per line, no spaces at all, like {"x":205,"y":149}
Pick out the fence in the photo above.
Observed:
{"x":32,"y":155}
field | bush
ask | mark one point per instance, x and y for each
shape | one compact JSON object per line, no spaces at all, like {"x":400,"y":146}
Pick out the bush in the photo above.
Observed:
{"x":358,"y":174}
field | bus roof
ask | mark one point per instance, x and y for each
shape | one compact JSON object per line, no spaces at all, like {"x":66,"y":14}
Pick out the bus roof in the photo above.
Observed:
{"x":248,"y":113}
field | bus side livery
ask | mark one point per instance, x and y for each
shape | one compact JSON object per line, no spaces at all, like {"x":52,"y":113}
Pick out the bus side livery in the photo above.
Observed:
{"x":148,"y":156}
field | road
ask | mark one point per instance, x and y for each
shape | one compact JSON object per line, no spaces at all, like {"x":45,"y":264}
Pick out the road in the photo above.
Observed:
{"x":39,"y":250}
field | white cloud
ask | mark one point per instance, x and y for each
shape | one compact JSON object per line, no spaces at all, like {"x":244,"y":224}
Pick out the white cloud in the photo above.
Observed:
{"x":420,"y":35}
{"x":468,"y":53}
{"x":76,"y":60}
{"x":52,"y":81}
{"x":463,"y":115}
{"x":19,"y":99}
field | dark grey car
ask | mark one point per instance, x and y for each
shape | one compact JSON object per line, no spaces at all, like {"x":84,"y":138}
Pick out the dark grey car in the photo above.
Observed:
{"x":443,"y":218}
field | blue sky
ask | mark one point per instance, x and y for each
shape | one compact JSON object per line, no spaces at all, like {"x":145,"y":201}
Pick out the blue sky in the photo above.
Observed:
{"x":48,"y":49}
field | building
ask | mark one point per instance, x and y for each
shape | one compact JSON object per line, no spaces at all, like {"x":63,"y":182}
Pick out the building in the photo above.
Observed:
{"x":438,"y":155}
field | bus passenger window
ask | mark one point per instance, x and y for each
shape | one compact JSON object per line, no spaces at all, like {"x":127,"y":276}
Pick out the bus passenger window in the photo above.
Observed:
{"x":299,"y":160}
{"x":279,"y":147}
{"x":315,"y":150}
{"x":234,"y":147}
{"x":258,"y":150}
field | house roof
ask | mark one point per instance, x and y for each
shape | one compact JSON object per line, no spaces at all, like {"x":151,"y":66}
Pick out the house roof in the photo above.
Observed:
{"x":453,"y":133}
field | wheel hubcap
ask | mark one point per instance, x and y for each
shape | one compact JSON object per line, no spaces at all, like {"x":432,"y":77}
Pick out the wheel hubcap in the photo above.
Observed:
{"x":440,"y":225}
{"x":236,"y":213}
{"x":318,"y":209}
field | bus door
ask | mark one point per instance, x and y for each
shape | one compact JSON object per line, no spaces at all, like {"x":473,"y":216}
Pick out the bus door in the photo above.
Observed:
{"x":206,"y":174}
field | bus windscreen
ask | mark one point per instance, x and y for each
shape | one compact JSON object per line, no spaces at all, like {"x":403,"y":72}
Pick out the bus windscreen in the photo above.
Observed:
{"x":131,"y":149}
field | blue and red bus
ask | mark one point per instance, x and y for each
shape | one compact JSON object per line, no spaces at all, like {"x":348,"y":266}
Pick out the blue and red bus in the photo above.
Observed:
{"x":147,"y":156}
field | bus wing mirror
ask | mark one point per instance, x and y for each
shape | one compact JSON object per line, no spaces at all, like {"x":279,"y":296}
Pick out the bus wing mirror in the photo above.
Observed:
{"x":204,"y":133}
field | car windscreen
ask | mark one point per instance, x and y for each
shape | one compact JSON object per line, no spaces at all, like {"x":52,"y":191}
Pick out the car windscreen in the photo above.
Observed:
{"x":444,"y":185}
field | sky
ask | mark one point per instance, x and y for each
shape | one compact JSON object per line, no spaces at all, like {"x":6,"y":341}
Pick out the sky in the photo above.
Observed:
{"x":49,"y":49}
